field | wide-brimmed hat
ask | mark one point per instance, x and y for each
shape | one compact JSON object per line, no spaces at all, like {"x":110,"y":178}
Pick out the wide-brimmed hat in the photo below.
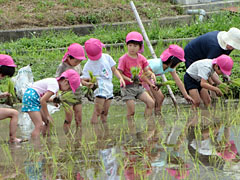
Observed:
{"x":75,"y":50}
{"x":225,"y":63}
{"x":6,"y":60}
{"x":232,"y":37}
{"x":173,"y":50}
{"x":93,"y":49}
{"x":73,"y":77}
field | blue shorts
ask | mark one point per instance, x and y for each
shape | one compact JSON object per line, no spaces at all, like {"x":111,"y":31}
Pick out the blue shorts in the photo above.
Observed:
{"x":31,"y":101}
{"x":191,"y":83}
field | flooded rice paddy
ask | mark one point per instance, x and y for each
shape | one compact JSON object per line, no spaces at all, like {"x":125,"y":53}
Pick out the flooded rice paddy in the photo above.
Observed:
{"x":191,"y":145}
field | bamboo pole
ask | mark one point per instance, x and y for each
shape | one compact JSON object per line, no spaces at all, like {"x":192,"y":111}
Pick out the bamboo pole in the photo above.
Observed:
{"x":151,"y":49}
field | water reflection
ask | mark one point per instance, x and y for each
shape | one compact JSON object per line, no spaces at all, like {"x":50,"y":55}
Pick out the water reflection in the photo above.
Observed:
{"x":168,"y":147}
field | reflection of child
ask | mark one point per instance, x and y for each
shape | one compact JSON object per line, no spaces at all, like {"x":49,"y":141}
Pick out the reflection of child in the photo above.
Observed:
{"x":133,"y":90}
{"x":71,"y":60}
{"x":102,"y":66}
{"x":198,"y":73}
{"x":35,"y":98}
{"x":7,"y":68}
{"x":167,"y":62}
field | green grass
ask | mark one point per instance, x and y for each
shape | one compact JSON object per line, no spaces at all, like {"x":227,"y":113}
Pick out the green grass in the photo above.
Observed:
{"x":45,"y":56}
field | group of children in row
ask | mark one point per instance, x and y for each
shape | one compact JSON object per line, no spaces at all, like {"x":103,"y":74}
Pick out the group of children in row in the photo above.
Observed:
{"x":102,"y":65}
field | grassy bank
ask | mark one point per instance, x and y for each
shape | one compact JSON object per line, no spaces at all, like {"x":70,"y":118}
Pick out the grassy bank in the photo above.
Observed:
{"x":44,"y":62}
{"x":15,"y":14}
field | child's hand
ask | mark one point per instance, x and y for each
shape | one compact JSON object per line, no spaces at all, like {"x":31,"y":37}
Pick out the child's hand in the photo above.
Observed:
{"x":122,"y":83}
{"x":90,"y":85}
{"x":153,"y":77}
{"x":49,"y":119}
{"x":218,"y":92}
{"x":5,"y":94}
{"x":189,"y":99}
{"x":154,"y":86}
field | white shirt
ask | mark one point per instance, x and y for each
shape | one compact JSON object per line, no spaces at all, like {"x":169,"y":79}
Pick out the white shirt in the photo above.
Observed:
{"x":44,"y":85}
{"x":201,"y":69}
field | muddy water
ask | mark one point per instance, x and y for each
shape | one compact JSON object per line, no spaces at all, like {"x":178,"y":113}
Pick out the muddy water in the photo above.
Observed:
{"x":201,"y":145}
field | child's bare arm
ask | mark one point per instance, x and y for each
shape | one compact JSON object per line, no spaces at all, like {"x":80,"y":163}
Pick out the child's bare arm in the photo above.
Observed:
{"x":204,"y":84}
{"x":180,"y":85}
{"x":215,"y":78}
{"x":125,"y":77}
{"x":43,"y":102}
{"x":87,"y":83}
{"x":149,"y":73}
{"x":119,"y":76}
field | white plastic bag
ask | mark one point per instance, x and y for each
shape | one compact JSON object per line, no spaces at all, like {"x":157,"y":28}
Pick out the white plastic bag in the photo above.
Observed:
{"x":23,"y":80}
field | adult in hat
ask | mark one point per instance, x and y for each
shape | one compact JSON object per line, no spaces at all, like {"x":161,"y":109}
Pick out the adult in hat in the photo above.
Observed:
{"x":211,"y":45}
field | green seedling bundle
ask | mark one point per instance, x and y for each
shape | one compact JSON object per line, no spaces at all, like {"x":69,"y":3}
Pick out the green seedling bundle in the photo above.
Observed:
{"x":12,"y":99}
{"x":135,"y":74}
{"x":89,"y":91}
{"x":67,"y":98}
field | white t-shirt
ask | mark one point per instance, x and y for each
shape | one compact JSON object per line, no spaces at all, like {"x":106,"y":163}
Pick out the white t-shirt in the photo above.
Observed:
{"x":44,"y":85}
{"x":201,"y":69}
{"x":100,"y":68}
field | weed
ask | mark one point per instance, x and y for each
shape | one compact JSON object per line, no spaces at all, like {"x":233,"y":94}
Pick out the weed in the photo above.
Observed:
{"x":70,"y":17}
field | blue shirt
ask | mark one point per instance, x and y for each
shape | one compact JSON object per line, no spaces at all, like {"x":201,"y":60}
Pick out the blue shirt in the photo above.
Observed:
{"x":205,"y":46}
{"x":157,"y":67}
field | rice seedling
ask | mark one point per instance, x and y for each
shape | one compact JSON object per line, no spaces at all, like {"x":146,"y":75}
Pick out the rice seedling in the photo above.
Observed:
{"x":169,"y":82}
{"x":224,"y":88}
{"x":236,"y":82}
{"x":12,"y":99}
{"x":135,"y":74}
{"x":65,"y":99}
{"x":89,"y":91}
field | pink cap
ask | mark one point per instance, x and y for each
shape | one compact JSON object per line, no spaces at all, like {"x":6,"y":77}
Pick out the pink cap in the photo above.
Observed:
{"x":229,"y":152}
{"x":135,"y":36}
{"x":73,"y":77}
{"x":225,"y":63}
{"x":179,"y":173}
{"x":75,"y":50}
{"x":93,"y":48}
{"x":173,"y":50}
{"x":6,"y":60}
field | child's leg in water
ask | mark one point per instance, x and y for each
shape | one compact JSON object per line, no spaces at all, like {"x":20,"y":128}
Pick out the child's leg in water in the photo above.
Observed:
{"x":13,"y":114}
{"x":158,"y":97}
{"x":98,"y":108}
{"x":78,"y":114}
{"x":196,"y":97}
{"x":36,"y":118}
{"x":146,"y":98}
{"x":105,"y":110}
{"x":67,"y":121}
{"x":205,"y":97}
{"x":130,"y":109}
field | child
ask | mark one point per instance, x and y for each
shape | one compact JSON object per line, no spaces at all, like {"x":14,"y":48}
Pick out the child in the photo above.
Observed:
{"x":167,"y":62}
{"x":7,"y":68}
{"x":71,"y":60}
{"x":35,"y":98}
{"x":198,"y":73}
{"x":102,"y":66}
{"x":133,"y":58}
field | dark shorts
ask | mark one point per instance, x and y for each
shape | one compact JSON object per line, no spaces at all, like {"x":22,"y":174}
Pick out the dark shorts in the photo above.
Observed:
{"x":191,"y":83}
{"x":103,"y":97}
{"x":131,"y":92}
